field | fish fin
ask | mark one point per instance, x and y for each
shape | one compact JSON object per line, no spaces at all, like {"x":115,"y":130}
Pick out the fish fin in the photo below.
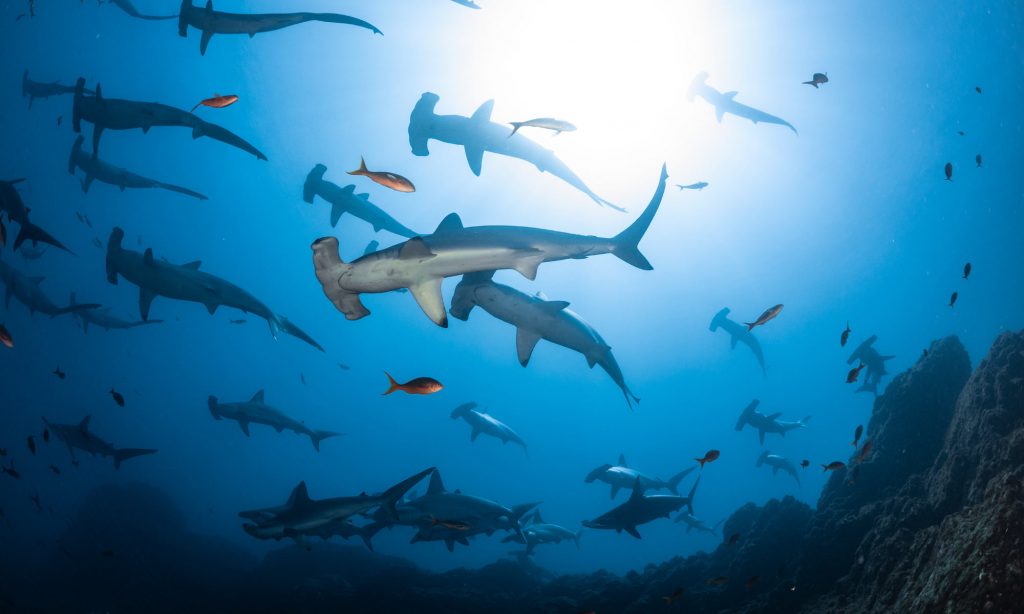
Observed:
{"x":622,"y":460}
{"x":392,"y":385}
{"x":415,"y":248}
{"x":626,"y":243}
{"x":719,"y":113}
{"x":84,"y":424}
{"x":483,"y":112}
{"x":258,"y":397}
{"x":615,"y":490}
{"x":194,"y":265}
{"x":204,"y":41}
{"x":244,"y":425}
{"x":145,"y":300}
{"x":598,"y":354}
{"x":528,"y":263}
{"x":451,"y":222}
{"x":474,"y":434}
{"x":436,"y":485}
{"x":475,"y":157}
{"x":428,"y":296}
{"x":730,"y":95}
{"x":638,"y":490}
{"x":526,"y":340}
{"x":299,"y":497}
{"x":775,"y":415}
{"x":147,"y":257}
{"x":553,"y":306}
{"x":632,"y":531}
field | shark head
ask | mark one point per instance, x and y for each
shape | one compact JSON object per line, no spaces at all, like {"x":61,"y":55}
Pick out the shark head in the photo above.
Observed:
{"x":329,"y":267}
{"x":698,"y":81}
{"x":420,"y":123}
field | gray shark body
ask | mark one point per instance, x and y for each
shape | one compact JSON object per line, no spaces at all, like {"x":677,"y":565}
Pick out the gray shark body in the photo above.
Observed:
{"x":256,"y":411}
{"x":98,"y":170}
{"x":640,"y":509}
{"x":78,"y":437}
{"x":211,"y":22}
{"x":873,"y":361}
{"x":129,"y":8}
{"x":120,"y":114}
{"x":420,"y":264}
{"x":478,"y":134}
{"x":345,"y":200}
{"x":622,"y":476}
{"x":538,"y":532}
{"x":738,"y":333}
{"x":34,"y":89}
{"x":778,"y":463}
{"x":302,"y":515}
{"x":102,"y":318}
{"x":187,"y":283}
{"x":486,"y":424}
{"x":696,"y":524}
{"x":537,"y":318}
{"x":767,"y":424}
{"x":29,"y":293}
{"x":12,"y":204}
{"x":726,"y":103}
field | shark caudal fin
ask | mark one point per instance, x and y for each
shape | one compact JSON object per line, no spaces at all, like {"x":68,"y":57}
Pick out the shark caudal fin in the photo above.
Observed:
{"x":673,"y":482}
{"x":285,"y":325}
{"x":329,"y":267}
{"x":463,"y":410}
{"x":113,"y":249}
{"x":462,"y":300}
{"x":122,"y":455}
{"x":34,"y":234}
{"x":394,"y":494}
{"x":691,"y":495}
{"x":626,"y":243}
{"x":317,"y":436}
{"x":312,"y":183}
{"x":747,"y":413}
{"x":211,"y":403}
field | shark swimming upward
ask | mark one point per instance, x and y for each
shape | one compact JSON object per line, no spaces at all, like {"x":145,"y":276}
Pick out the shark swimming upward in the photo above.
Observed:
{"x":98,"y":170}
{"x":726,"y":103}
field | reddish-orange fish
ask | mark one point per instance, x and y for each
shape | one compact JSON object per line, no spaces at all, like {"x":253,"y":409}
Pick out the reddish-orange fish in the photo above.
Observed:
{"x":709,"y":457}
{"x":676,"y":594}
{"x":864,"y":450}
{"x":217,"y":102}
{"x":420,"y":385}
{"x":5,"y":336}
{"x":833,"y":466}
{"x":384,"y":178}
{"x":851,"y":377}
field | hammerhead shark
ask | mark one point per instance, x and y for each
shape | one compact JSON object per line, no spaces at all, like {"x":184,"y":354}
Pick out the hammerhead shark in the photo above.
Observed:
{"x":421,"y":263}
{"x":622,"y":476}
{"x":777,"y":462}
{"x":478,"y":134}
{"x":102,"y":318}
{"x":186,"y":282}
{"x":694,"y":523}
{"x":346,"y":200}
{"x":640,"y":509}
{"x":726,"y":103}
{"x":26,"y":289}
{"x":256,"y":410}
{"x":120,"y":114}
{"x":212,"y":22}
{"x":537,"y":318}
{"x":738,"y":333}
{"x":128,"y":7}
{"x":538,"y":532}
{"x":78,"y":436}
{"x":767,"y":424}
{"x":14,"y":207}
{"x":874,"y":361}
{"x":301,"y":514}
{"x":486,"y":424}
{"x":98,"y":170}
{"x":34,"y":89}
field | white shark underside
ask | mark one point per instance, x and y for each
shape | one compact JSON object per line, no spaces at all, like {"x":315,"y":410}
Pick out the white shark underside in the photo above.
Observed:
{"x":726,"y":103}
{"x":420,"y":264}
{"x":98,"y":170}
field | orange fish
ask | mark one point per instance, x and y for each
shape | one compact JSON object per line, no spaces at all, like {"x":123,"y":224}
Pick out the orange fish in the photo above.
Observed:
{"x":709,"y":457}
{"x":764,"y":318}
{"x":384,"y":178}
{"x":217,"y":102}
{"x":864,"y":450}
{"x":833,"y":466}
{"x":676,"y":594}
{"x":420,"y":385}
{"x":851,"y":377}
{"x":5,"y":336}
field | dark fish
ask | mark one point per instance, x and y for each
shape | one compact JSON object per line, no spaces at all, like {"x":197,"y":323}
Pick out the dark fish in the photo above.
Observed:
{"x":548,"y":123}
{"x":711,"y":456}
{"x":384,"y":178}
{"x":343,"y":366}
{"x":967,"y":270}
{"x":961,"y":132}
{"x":11,"y":471}
{"x":856,"y":435}
{"x":55,"y":469}
{"x":60,"y":119}
{"x":949,"y":171}
{"x":60,"y":374}
{"x":302,"y":378}
{"x":117,"y":396}
{"x":977,"y":89}
{"x":845,"y":336}
{"x":952,"y":299}
{"x":851,"y":377}
{"x":751,"y":582}
{"x":5,"y":336}
{"x":833,"y":466}
{"x":31,"y":441}
{"x":700,"y":185}
{"x":420,"y":385}
{"x":242,"y":321}
{"x":764,"y":318}
{"x":46,"y":435}
{"x":977,"y":159}
{"x":735,"y":537}
{"x":39,"y":505}
{"x":88,"y":222}
{"x":717,"y":581}
{"x":676,"y":594}
{"x":864,"y":450}
{"x":96,"y":241}
{"x":805,"y":463}
{"x":817,"y":79}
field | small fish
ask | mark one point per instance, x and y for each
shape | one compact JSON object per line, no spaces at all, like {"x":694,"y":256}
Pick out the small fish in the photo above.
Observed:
{"x":711,"y":456}
{"x":3,"y":233}
{"x":39,"y":505}
{"x":845,"y":336}
{"x":548,"y":123}
{"x":833,"y":466}
{"x":856,"y":435}
{"x":977,"y":89}
{"x":764,"y":318}
{"x":751,"y":582}
{"x":977,"y":159}
{"x":241,"y":321}
{"x":74,"y":462}
{"x":11,"y":471}
{"x":96,"y":242}
{"x":60,"y":120}
{"x":60,"y":374}
{"x":675,"y":596}
{"x":967,"y":270}
{"x":455,"y":525}
{"x":952,"y":299}
{"x":55,"y":469}
{"x":817,"y":79}
{"x":420,"y":385}
{"x":735,"y":537}
{"x":31,"y":442}
{"x":949,"y":171}
{"x":5,"y":336}
{"x":805,"y":463}
{"x":217,"y":102}
{"x":717,"y":581}
{"x":302,"y":378}
{"x":46,"y":435}
{"x":117,"y":396}
{"x":700,"y":185}
{"x":864,"y":450}
{"x":384,"y":178}
{"x":88,"y":222}
{"x":961,"y":132}
{"x":851,"y":377}
{"x":343,"y":366}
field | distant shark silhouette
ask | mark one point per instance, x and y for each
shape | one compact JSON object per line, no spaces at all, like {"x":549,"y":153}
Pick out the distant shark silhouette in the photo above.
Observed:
{"x":726,"y":103}
{"x":874,"y":361}
{"x":128,"y":7}
{"x":738,"y":333}
{"x":767,"y":424}
{"x":33,"y":89}
{"x":777,"y":463}
{"x":98,"y":170}
{"x":78,"y":436}
{"x":101,"y":317}
{"x":26,"y":289}
{"x":345,"y":200}
{"x":467,"y":3}
{"x":14,"y":207}
{"x":212,"y":22}
{"x":478,"y":134}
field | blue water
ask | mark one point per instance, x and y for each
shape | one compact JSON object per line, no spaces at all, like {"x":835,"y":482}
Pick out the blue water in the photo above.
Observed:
{"x":852,"y":220}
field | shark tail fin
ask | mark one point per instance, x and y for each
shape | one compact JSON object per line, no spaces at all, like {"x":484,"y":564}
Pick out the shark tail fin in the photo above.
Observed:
{"x":313,"y":180}
{"x":35,"y":234}
{"x":392,"y":385}
{"x":626,"y":243}
{"x":113,"y":248}
{"x":673,"y":482}
{"x":317,"y":436}
{"x":515,"y":126}
{"x":122,"y":455}
{"x":394,"y":494}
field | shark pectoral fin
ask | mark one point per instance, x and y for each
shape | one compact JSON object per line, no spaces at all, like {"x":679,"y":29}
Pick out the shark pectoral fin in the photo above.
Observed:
{"x":719,"y":112}
{"x":337,"y":210}
{"x":244,"y":425}
{"x":526,"y":340}
{"x":428,"y":296}
{"x":632,"y":531}
{"x":474,"y":434}
{"x":475,"y":157}
{"x":415,"y":249}
{"x":615,"y":490}
{"x":145,"y":300}
{"x":204,"y":41}
{"x":553,"y":306}
{"x":528,"y":261}
{"x":730,"y":95}
{"x":212,"y":306}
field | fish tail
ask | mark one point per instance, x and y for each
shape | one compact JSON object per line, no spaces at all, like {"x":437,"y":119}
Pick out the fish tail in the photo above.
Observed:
{"x":750,"y":325}
{"x":625,"y":245}
{"x":193,"y":109}
{"x":515,"y":127}
{"x":811,"y":83}
{"x":393,"y":385}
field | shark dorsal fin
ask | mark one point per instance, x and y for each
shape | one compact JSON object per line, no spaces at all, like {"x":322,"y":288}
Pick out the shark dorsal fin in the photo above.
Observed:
{"x":638,"y":491}
{"x":99,"y":92}
{"x":84,"y":424}
{"x":415,"y":248}
{"x":147,"y":257}
{"x":483,"y":112}
{"x":553,"y":306}
{"x":458,"y":491}
{"x":775,"y":415}
{"x":536,"y":518}
{"x":349,"y":189}
{"x":299,"y":496}
{"x":258,"y":397}
{"x":730,"y":95}
{"x":622,"y":460}
{"x":451,"y":222}
{"x":194,"y":265}
{"x":541,"y":296}
{"x":436,"y":486}
{"x":363,"y":196}
{"x":363,"y":494}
